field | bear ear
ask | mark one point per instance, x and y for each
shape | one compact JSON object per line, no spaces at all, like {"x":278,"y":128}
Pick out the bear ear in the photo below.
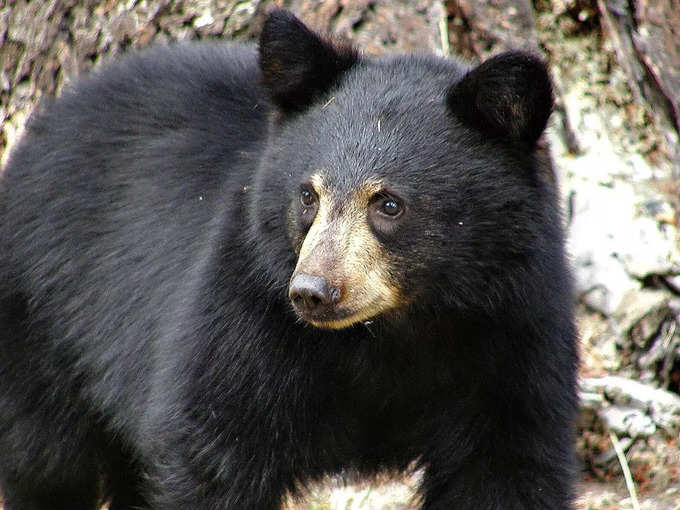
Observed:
{"x":297,"y":65}
{"x":509,"y":95}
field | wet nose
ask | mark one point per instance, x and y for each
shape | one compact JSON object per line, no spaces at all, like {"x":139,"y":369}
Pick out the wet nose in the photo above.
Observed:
{"x":312,"y":295}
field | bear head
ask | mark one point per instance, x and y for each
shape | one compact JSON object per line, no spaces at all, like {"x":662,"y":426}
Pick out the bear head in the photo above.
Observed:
{"x":400,"y":182}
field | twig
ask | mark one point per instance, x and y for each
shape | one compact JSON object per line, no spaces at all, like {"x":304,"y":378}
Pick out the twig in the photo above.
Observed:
{"x":630,"y":484}
{"x":328,"y":103}
{"x":669,"y":343}
{"x":444,"y":35}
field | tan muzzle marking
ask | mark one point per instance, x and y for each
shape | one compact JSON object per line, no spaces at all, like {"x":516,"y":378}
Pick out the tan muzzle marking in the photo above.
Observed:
{"x":341,"y":247}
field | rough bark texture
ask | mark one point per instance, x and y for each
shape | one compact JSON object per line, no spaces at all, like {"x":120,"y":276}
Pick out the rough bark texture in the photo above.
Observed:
{"x":646,"y":36}
{"x":483,"y":28}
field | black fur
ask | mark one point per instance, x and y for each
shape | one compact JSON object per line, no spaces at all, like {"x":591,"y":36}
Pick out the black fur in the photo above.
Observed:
{"x":296,"y":64}
{"x":146,"y":338}
{"x":508,"y":95}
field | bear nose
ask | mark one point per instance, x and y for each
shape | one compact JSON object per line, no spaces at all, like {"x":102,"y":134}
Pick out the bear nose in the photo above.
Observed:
{"x":312,"y":295}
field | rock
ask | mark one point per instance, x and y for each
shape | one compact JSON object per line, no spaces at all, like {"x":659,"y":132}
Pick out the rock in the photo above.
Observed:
{"x":614,"y":240}
{"x":643,"y":309}
{"x":241,"y":15}
{"x":591,"y":400}
{"x":627,"y":421}
{"x":628,"y":399}
{"x":665,"y":411}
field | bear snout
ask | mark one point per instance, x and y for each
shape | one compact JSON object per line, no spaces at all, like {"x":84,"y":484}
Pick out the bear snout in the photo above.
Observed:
{"x":313,"y":297}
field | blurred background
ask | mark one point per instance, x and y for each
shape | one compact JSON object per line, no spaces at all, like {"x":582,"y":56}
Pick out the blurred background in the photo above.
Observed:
{"x":614,"y":137}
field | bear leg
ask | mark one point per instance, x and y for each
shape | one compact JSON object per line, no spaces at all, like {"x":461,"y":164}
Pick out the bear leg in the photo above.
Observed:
{"x":501,"y":480}
{"x":51,"y":454}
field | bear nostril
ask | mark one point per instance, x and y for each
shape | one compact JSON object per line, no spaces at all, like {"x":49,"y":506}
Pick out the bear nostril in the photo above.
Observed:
{"x":312,"y":294}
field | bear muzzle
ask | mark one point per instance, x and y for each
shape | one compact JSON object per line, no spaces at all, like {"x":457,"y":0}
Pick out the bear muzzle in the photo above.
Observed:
{"x":313,"y":297}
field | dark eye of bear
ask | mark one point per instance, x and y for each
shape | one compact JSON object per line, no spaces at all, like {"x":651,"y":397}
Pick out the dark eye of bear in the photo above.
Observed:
{"x":384,"y":211}
{"x":390,"y":208}
{"x":307,"y":198}
{"x":387,"y":205}
{"x":310,"y":204}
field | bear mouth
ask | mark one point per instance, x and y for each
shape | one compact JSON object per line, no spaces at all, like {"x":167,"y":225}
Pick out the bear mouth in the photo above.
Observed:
{"x":343,"y":317}
{"x":335,"y":323}
{"x":337,"y":319}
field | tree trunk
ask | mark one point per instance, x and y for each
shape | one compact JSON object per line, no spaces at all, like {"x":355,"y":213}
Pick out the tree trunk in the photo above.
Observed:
{"x":646,"y":37}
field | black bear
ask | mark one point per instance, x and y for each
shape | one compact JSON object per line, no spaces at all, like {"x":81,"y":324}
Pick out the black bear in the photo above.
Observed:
{"x":227,"y":271}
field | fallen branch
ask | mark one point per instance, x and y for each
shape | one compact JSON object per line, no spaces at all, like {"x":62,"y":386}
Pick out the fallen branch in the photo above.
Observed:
{"x":630,"y":484}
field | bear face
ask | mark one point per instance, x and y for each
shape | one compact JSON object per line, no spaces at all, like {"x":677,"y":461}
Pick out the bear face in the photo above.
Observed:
{"x":410,"y":181}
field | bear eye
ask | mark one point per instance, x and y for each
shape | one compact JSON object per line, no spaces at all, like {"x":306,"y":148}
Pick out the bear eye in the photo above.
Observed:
{"x":384,"y":211}
{"x":307,"y":197}
{"x":310,"y":204}
{"x":390,"y":208}
{"x":387,"y":205}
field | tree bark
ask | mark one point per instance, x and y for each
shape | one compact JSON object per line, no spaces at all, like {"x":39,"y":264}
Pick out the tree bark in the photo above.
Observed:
{"x":480,"y":28}
{"x":646,"y":37}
